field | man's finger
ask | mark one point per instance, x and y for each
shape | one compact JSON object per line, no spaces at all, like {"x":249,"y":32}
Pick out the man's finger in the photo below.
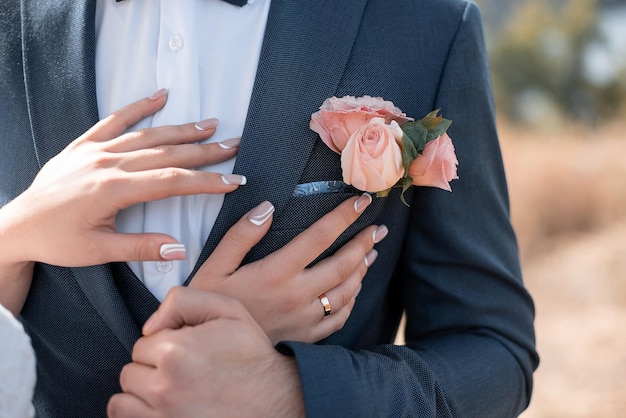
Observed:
{"x":235,"y":244}
{"x":125,"y":405}
{"x":184,"y":306}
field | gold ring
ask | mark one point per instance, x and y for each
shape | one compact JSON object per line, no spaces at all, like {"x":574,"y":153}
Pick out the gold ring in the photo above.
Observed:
{"x":325,"y":304}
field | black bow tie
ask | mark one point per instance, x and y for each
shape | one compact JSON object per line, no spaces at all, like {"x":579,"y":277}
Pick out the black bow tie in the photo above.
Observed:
{"x":235,"y":2}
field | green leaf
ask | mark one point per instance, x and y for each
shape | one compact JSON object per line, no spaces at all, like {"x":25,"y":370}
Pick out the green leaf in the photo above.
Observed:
{"x":405,"y":183}
{"x":383,"y":193}
{"x":438,"y":130}
{"x":431,"y":120}
{"x":409,"y":152}
{"x":435,"y":125}
{"x":417,"y":133}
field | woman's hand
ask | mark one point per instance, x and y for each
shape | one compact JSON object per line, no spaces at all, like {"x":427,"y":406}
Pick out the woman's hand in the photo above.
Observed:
{"x":67,"y":216}
{"x":280,"y":293}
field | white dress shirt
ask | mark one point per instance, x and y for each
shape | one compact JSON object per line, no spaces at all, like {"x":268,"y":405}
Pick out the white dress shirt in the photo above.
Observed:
{"x":205,"y":52}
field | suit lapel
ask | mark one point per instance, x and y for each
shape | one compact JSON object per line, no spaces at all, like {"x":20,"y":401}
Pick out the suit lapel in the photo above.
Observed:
{"x":297,"y":71}
{"x":59,"y":73}
{"x":98,"y":284}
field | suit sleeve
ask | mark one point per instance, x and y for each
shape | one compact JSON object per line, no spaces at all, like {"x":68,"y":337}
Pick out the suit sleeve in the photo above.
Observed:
{"x":469,"y":335}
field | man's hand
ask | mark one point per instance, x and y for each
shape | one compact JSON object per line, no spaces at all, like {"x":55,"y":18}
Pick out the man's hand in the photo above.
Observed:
{"x":203,"y":355}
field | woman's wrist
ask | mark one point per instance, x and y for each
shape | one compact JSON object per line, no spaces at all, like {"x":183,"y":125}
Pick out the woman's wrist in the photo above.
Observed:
{"x":13,"y":224}
{"x":15,"y":280}
{"x":16,"y":270}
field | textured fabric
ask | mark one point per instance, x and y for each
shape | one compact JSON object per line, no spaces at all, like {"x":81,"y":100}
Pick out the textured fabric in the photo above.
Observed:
{"x":234,"y":2}
{"x":450,"y":259}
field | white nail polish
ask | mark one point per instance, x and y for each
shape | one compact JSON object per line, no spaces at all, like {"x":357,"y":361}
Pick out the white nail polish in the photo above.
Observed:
{"x":379,"y":233}
{"x":370,"y":257}
{"x":362,"y":202}
{"x":234,"y":179}
{"x":172,"y":251}
{"x":261,"y":213}
{"x":229,"y":143}
{"x":203,"y":125}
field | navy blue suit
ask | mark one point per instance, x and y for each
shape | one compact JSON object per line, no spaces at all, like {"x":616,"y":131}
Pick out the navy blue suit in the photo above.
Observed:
{"x":450,"y":260}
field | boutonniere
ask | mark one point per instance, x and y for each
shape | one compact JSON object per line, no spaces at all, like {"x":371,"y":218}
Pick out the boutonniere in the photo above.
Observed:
{"x":381,"y":148}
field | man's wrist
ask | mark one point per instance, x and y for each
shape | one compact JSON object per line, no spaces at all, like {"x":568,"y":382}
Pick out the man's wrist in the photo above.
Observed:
{"x":290,"y":400}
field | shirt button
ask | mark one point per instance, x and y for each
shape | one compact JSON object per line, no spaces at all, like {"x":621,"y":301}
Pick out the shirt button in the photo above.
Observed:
{"x":176,"y":43}
{"x":164,"y":267}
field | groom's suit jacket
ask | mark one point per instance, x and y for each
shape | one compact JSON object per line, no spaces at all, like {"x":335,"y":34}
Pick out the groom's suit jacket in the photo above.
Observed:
{"x":450,"y":261}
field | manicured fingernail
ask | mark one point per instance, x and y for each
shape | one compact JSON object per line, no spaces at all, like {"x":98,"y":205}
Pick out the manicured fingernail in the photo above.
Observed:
{"x":362,"y":202}
{"x":203,"y":125}
{"x":379,"y":233}
{"x":234,"y":179}
{"x":158,"y":94}
{"x":229,"y":143}
{"x":370,"y":257}
{"x":261,"y":213}
{"x":173,"y":251}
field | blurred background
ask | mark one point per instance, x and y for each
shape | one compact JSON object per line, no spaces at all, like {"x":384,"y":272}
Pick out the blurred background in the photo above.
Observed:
{"x":559,"y":77}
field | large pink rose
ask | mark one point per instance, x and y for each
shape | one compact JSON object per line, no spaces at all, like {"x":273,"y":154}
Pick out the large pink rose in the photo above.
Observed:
{"x":372,"y":159}
{"x":339,"y":118}
{"x":436,"y":166}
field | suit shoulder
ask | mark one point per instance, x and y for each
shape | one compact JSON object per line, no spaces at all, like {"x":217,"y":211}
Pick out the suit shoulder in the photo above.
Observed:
{"x":450,"y":12}
{"x":453,"y":7}
{"x":10,"y":27}
{"x":428,"y":15}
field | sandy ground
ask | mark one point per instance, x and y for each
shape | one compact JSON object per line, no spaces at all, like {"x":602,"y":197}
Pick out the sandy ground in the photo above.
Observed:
{"x":568,"y":203}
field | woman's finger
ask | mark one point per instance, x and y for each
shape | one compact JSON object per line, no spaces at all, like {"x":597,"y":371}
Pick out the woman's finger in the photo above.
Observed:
{"x":115,"y":246}
{"x":334,"y":270}
{"x":344,"y":293}
{"x":119,"y":121}
{"x":163,"y":135}
{"x":312,"y":242}
{"x":330,"y":324}
{"x":183,"y":156}
{"x":146,"y":186}
{"x":236,"y":243}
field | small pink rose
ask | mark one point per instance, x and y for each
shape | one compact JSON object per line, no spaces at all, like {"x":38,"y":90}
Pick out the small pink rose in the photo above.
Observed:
{"x":339,"y":118}
{"x":436,"y":166}
{"x":372,"y":158}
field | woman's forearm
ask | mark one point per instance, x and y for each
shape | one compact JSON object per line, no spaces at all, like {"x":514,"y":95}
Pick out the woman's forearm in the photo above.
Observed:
{"x":16,"y":271}
{"x":15,"y":283}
